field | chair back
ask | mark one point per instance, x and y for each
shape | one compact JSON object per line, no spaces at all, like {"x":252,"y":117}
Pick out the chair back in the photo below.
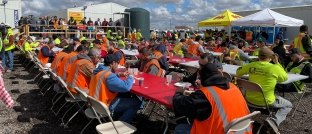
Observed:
{"x":241,"y":124}
{"x":82,"y":95}
{"x":100,"y":108}
{"x":245,"y":85}
{"x":64,"y":85}
{"x":227,"y":75}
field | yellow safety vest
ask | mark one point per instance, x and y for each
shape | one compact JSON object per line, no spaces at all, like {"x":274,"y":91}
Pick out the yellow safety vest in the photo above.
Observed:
{"x":6,"y":40}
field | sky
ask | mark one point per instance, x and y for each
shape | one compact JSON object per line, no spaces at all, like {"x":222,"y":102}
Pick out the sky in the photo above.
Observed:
{"x":166,"y":13}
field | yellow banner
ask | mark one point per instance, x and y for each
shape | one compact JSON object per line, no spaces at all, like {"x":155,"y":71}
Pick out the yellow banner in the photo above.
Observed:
{"x":77,"y":16}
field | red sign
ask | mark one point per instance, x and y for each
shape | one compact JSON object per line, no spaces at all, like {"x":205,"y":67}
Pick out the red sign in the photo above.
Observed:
{"x":235,"y":16}
{"x":219,"y":17}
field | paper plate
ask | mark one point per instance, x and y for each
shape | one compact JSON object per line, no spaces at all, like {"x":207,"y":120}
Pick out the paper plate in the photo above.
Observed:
{"x":182,"y":84}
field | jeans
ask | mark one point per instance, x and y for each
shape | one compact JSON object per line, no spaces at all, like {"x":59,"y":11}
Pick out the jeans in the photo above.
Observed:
{"x":2,"y":55}
{"x":125,"y":109}
{"x":284,"y":107}
{"x":8,"y":59}
{"x":182,"y":129}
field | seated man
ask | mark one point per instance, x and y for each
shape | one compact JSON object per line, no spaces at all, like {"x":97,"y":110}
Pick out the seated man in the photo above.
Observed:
{"x":81,"y":71}
{"x":207,"y":105}
{"x":299,"y":65}
{"x":267,"y":75}
{"x":203,"y":60}
{"x":113,"y":49}
{"x":59,"y":57}
{"x":162,"y":59}
{"x":114,"y":91}
{"x":147,"y":63}
{"x":261,"y":43}
{"x":196,"y":48}
{"x":46,"y":53}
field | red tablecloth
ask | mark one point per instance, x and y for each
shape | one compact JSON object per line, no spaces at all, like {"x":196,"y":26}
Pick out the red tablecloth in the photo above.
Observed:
{"x":155,"y":89}
{"x":175,"y":60}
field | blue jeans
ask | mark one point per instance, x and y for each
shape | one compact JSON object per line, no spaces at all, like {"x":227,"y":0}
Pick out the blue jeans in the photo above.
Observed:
{"x":9,"y":57}
{"x":182,"y":129}
{"x":284,"y":107}
{"x":2,"y":55}
{"x":125,"y":109}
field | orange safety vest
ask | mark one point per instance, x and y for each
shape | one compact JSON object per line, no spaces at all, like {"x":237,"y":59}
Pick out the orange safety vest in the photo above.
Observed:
{"x":58,"y":58}
{"x":65,"y":64}
{"x":193,"y":49}
{"x":148,"y":65}
{"x":43,"y":59}
{"x":122,"y":61}
{"x":133,"y":37}
{"x":98,"y":88}
{"x":157,"y":54}
{"x":224,"y":110}
{"x":76,"y":78}
{"x":248,"y":36}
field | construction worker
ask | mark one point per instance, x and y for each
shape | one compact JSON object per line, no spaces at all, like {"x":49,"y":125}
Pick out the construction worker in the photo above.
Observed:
{"x":106,"y":86}
{"x":56,"y":39}
{"x":113,"y":49}
{"x":109,"y":35}
{"x":196,"y":48}
{"x":59,"y":57}
{"x":68,"y":60}
{"x":267,"y":75}
{"x":45,"y":54}
{"x":29,"y":44}
{"x":81,"y":71}
{"x":212,"y":106}
{"x":133,"y":36}
{"x":8,"y":43}
{"x":149,"y":63}
{"x":298,"y":65}
{"x":138,"y":35}
{"x":303,"y":42}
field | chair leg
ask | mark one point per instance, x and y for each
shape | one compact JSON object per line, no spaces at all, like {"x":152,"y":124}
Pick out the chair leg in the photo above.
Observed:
{"x":62,"y":119}
{"x":299,"y":103}
{"x":86,"y":126}
{"x":75,"y":113}
{"x":49,"y":88}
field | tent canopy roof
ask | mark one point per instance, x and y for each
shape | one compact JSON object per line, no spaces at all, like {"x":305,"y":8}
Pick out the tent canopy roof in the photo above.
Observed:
{"x":223,"y":19}
{"x":267,"y":17}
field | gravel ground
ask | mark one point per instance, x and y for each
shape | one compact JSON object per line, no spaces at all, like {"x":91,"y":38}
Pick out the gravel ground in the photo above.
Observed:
{"x":31,"y":112}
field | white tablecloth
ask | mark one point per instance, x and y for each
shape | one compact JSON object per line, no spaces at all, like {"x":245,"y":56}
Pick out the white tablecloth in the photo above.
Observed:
{"x":231,"y":69}
{"x":253,"y":57}
{"x":130,"y":52}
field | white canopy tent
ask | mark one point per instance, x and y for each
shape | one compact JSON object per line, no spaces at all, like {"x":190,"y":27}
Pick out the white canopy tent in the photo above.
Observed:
{"x":267,"y":17}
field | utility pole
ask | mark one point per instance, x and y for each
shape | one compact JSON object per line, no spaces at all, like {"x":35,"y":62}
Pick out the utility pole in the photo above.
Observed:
{"x":4,"y":2}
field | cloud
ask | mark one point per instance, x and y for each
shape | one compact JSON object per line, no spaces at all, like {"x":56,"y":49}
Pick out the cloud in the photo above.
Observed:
{"x":179,"y":12}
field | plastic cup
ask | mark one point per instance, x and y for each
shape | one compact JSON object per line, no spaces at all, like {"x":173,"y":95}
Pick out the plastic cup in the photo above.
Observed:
{"x":130,"y":71}
{"x":169,"y":78}
{"x":135,"y":71}
{"x":141,"y":82}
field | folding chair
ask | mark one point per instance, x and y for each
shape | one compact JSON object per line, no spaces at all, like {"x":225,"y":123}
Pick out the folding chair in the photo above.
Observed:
{"x":112,"y":127}
{"x":241,"y":124}
{"x":299,"y":102}
{"x":227,"y":75}
{"x":245,"y":85}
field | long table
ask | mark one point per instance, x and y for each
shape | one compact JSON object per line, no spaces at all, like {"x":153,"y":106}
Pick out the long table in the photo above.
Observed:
{"x":134,"y":52}
{"x":154,"y":88}
{"x":231,"y":69}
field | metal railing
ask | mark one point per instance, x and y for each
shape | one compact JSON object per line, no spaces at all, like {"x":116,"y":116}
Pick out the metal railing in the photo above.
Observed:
{"x":72,"y":30}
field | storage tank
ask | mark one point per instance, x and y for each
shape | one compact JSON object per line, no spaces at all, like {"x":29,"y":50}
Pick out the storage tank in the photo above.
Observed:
{"x":140,"y":19}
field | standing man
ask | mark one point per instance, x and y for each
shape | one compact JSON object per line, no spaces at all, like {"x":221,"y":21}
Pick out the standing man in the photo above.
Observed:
{"x":8,"y":43}
{"x":303,"y":42}
{"x":98,"y":22}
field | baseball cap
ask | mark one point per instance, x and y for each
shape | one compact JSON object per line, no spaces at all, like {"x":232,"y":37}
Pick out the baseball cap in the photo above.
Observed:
{"x":76,"y":39}
{"x":110,"y":59}
{"x":293,"y":51}
{"x":97,"y":41}
{"x":261,"y":39}
{"x":265,"y":53}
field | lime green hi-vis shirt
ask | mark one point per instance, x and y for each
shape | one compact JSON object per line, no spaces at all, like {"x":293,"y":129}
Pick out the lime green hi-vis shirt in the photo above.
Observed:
{"x":266,"y":75}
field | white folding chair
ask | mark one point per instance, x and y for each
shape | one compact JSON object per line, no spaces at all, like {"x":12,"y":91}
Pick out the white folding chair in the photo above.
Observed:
{"x":112,"y":127}
{"x":241,"y":124}
{"x":245,"y":85}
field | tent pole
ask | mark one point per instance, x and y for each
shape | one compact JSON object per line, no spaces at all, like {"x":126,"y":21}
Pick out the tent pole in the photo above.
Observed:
{"x":274,"y":34}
